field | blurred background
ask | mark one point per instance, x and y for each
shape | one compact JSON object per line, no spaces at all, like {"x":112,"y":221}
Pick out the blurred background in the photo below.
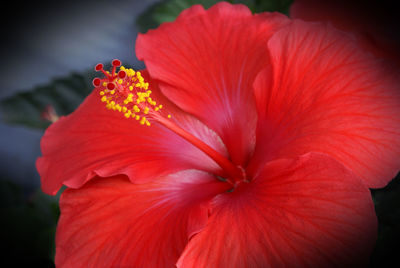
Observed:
{"x":48,"y":51}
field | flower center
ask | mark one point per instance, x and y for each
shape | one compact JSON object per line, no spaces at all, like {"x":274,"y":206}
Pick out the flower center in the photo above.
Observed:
{"x":127,"y":92}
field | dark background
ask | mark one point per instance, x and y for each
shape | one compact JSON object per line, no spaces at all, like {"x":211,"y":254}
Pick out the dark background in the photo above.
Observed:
{"x":42,"y":41}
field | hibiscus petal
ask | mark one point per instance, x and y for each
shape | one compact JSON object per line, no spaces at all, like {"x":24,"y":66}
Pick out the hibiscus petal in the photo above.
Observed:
{"x":110,"y":222}
{"x":322,"y":93}
{"x":309,"y":212}
{"x":206,"y":62}
{"x":96,"y":141}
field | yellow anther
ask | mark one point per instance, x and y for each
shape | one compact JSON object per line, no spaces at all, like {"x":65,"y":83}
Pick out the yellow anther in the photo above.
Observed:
{"x":136,"y":109}
{"x":129,"y":94}
{"x":128,"y":114}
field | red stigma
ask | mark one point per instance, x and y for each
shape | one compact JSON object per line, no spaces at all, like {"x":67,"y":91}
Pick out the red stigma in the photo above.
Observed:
{"x":99,"y":67}
{"x":121,"y":74}
{"x":110,"y":86}
{"x":109,"y":77}
{"x":96,"y":82}
{"x":116,"y":63}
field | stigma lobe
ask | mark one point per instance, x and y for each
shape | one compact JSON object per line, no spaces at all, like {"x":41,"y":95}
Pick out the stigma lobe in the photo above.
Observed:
{"x":126,"y":91}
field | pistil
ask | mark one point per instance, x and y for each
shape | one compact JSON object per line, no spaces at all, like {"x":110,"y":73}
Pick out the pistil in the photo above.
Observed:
{"x":128,"y":93}
{"x":233,"y":173}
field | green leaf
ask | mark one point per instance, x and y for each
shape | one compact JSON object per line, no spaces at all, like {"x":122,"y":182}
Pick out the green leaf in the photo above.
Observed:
{"x":168,"y":10}
{"x":63,"y":94}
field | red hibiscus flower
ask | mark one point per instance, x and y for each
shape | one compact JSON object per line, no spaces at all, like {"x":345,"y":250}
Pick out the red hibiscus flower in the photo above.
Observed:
{"x":249,"y":141}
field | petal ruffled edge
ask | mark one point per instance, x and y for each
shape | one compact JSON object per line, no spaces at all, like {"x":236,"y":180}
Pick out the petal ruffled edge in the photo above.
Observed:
{"x":110,"y":222}
{"x":96,"y":141}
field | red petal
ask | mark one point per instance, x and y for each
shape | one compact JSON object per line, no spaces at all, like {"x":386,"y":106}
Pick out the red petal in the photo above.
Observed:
{"x":310,"y":212}
{"x":375,"y":26}
{"x":207,"y":61}
{"x":96,"y":141}
{"x":111,"y":222}
{"x":325,"y":95}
